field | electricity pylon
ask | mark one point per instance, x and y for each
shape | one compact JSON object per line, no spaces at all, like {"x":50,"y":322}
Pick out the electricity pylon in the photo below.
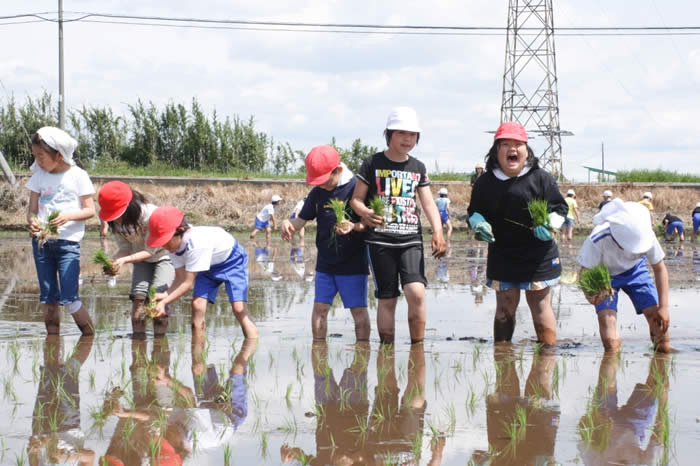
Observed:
{"x":530,"y":94}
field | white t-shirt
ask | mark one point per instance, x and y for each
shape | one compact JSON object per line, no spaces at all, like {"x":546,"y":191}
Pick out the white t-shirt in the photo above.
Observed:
{"x":61,"y":192}
{"x":266,"y":212}
{"x":297,"y":208}
{"x":135,"y":241}
{"x":600,"y":248}
{"x":202,"y":248}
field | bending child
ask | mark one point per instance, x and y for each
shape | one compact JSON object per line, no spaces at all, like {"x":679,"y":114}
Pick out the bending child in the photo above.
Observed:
{"x":443,"y":205}
{"x":395,"y":241}
{"x":204,"y":258}
{"x":341,"y":265}
{"x":264,"y":217}
{"x":623,"y":240}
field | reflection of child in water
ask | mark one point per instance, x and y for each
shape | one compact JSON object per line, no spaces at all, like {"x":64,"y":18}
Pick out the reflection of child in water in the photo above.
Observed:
{"x":618,"y":434}
{"x":63,"y":441}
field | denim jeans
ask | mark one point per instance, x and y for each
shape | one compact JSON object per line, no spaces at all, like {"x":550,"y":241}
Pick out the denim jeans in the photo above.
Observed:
{"x":57,"y":268}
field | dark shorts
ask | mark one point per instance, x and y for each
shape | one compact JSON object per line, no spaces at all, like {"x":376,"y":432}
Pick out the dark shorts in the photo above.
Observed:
{"x":391,"y":264}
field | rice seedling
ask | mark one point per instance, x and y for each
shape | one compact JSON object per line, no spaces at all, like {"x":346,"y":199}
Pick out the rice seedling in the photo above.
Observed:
{"x":555,"y":381}
{"x":476,"y":355}
{"x":228,"y":452}
{"x":339,"y":208}
{"x":150,"y":306}
{"x":377,"y":206}
{"x":539,"y":212}
{"x":451,"y":417}
{"x":302,"y":457}
{"x":154,"y":445}
{"x":596,"y":282}
{"x":417,"y":444}
{"x":128,"y":429}
{"x":287,"y":396}
{"x":101,"y":258}
{"x":263,"y":444}
{"x":345,"y":398}
{"x":47,"y":231}
{"x":20,"y":460}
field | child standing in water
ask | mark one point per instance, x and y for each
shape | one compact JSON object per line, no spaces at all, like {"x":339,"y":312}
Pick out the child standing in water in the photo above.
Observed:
{"x":59,"y":186}
{"x":127,"y":212}
{"x":341,"y":266}
{"x":204,"y":258}
{"x":443,"y":205}
{"x":695,"y":214}
{"x":520,"y":257}
{"x":264,"y":217}
{"x":395,"y":239}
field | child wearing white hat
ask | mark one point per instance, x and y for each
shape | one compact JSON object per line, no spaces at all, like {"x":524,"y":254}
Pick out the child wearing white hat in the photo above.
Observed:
{"x":567,"y":229}
{"x":264,"y":217}
{"x":696,"y":221}
{"x":607,"y":197}
{"x":623,"y":240}
{"x":443,"y":205}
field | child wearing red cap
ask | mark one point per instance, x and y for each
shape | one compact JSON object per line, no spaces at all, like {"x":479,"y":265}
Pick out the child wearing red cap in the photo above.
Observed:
{"x":395,"y":240}
{"x":264,"y":217}
{"x":204,"y":258}
{"x":126,"y":212}
{"x":61,"y":189}
{"x":520,"y":257}
{"x":341,"y":266}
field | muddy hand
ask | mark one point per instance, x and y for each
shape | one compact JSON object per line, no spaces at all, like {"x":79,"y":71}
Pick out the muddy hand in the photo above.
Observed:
{"x":439,"y":246}
{"x":662,"y":319}
{"x":287,"y":230}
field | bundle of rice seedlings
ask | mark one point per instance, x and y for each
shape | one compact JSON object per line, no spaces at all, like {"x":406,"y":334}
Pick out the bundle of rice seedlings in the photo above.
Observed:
{"x":377,"y":206}
{"x":151,"y":303}
{"x":47,"y":231}
{"x":342,"y":222}
{"x":101,"y":258}
{"x":539,"y":213}
{"x":596,"y":282}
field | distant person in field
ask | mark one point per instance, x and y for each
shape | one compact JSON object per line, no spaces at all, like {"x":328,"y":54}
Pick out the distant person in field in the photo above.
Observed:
{"x":443,"y":205}
{"x":341,"y":265}
{"x":567,"y":230}
{"x":673,"y":226}
{"x":623,"y":240}
{"x":646,"y":202}
{"x":478,"y":171}
{"x":607,"y":197}
{"x":520,"y":255}
{"x":696,"y":221}
{"x":295,"y":214}
{"x":264,"y":217}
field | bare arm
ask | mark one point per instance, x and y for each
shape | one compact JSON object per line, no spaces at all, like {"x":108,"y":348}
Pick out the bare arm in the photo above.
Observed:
{"x":661,"y":280}
{"x":357,"y":202}
{"x":288,"y":227}
{"x":431,"y":212}
{"x":184,"y":282}
{"x":86,"y":211}
{"x":32,"y":212}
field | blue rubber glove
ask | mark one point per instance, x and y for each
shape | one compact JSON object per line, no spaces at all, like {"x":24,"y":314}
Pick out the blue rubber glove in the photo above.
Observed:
{"x":542,"y":233}
{"x":482,"y":228}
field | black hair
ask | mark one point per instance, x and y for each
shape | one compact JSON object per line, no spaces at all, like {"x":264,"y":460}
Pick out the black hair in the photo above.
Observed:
{"x":389,"y":132}
{"x":491,"y":158}
{"x":131,"y":217}
{"x":443,"y":195}
{"x":184,"y":226}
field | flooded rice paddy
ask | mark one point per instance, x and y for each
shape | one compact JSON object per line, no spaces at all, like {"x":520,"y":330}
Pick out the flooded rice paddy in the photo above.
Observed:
{"x":455,"y":399}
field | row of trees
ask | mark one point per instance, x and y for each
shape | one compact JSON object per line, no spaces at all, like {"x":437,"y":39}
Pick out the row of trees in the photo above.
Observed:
{"x":176,"y":136}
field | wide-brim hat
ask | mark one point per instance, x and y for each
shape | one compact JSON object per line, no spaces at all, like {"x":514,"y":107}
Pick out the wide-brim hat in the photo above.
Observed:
{"x":403,"y":118}
{"x":630,"y":225}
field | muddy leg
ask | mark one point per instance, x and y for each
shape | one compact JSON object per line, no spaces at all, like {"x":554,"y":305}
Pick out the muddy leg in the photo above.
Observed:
{"x":319,"y":322}
{"x":504,"y":320}
{"x":52,"y":318}
{"x":607,"y":322}
{"x":540,"y":303}
{"x":240,"y":310}
{"x":138,"y":317}
{"x":386,"y":310}
{"x":417,"y":313}
{"x":82,"y":319}
{"x":362,"y":325}
{"x":199,"y":309}
{"x":660,"y":340}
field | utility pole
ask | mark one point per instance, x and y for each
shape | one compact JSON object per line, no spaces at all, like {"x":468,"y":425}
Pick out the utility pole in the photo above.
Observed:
{"x":530,"y":94}
{"x":61,"y":95}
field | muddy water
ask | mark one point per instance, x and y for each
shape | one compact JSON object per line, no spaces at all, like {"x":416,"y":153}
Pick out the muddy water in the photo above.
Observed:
{"x":455,"y":399}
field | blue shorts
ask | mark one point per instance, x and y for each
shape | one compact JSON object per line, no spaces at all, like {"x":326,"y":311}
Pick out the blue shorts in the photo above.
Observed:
{"x":444,"y":216}
{"x":569,"y":222}
{"x":238,"y":390}
{"x":261,"y":225}
{"x":499,"y":285}
{"x":674,"y":226}
{"x":233,"y":272}
{"x":638,"y":285}
{"x":696,"y":222}
{"x":352,"y":289}
{"x":57,"y":268}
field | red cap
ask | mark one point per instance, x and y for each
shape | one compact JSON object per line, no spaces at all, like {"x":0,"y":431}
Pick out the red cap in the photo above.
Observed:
{"x":320,"y":163}
{"x":114,"y":198}
{"x":511,"y":130}
{"x":162,"y":225}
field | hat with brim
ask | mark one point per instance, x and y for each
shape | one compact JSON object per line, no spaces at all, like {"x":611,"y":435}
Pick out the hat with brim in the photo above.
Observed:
{"x":511,"y":130}
{"x":114,"y":198}
{"x":403,"y":118}
{"x":162,"y":225}
{"x":320,"y":163}
{"x":630,"y":225}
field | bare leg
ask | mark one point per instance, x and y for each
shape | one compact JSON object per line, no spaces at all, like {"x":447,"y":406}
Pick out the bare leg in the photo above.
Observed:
{"x":83,"y":321}
{"x":253,"y":233}
{"x":386,"y":311}
{"x":504,"y":320}
{"x":661,"y":341}
{"x":52,"y":318}
{"x":268,"y":231}
{"x":199,"y":310}
{"x":138,"y":317}
{"x":240,"y":362}
{"x":540,"y":303}
{"x":319,"y":322}
{"x":607,"y":322}
{"x":362,"y":326}
{"x":240,"y":310}
{"x":160,"y":326}
{"x":417,"y":313}
{"x":449,"y":231}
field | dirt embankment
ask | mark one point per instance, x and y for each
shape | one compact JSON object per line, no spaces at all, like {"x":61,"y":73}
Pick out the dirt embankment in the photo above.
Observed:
{"x":233,"y":204}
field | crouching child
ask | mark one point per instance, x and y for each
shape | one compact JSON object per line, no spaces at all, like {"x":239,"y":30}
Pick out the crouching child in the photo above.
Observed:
{"x":623,"y":240}
{"x":204,"y":258}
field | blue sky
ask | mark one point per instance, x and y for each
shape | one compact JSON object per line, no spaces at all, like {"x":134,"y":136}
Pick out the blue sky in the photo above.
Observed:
{"x":636,"y":94}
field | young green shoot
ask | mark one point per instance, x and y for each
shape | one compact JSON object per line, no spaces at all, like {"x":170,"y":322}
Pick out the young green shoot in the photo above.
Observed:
{"x":596,"y":282}
{"x":48,"y":231}
{"x":101,"y":258}
{"x":150,"y":306}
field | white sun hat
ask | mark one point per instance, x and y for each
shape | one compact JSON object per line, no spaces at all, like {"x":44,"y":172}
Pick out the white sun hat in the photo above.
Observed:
{"x":276,"y":198}
{"x":607,"y":193}
{"x":697,"y":205}
{"x":630,"y":225}
{"x":403,"y":118}
{"x":647,"y":195}
{"x":571,"y":192}
{"x":442,"y":191}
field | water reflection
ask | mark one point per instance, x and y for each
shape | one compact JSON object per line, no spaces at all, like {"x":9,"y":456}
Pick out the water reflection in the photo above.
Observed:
{"x":521,"y":429}
{"x":635,"y":433}
{"x":57,"y":436}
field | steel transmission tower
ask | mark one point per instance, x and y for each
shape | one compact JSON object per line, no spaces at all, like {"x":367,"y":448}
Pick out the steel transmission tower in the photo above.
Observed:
{"x":530,"y":94}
